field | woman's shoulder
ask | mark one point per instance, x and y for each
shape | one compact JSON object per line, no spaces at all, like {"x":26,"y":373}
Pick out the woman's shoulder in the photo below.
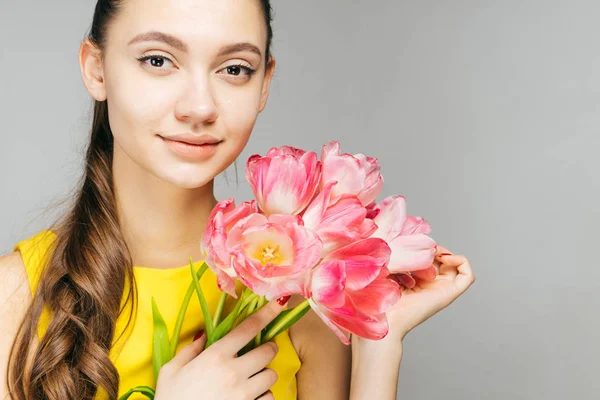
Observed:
{"x":310,"y":335}
{"x":20,"y":270}
{"x":318,"y":346}
{"x":13,"y":285}
{"x":15,"y":297}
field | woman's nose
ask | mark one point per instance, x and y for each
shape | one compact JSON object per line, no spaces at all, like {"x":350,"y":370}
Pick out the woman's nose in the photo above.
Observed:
{"x":197,"y":104}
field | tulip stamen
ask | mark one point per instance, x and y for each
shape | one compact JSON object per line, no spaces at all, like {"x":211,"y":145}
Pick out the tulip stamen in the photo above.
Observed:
{"x":270,"y":254}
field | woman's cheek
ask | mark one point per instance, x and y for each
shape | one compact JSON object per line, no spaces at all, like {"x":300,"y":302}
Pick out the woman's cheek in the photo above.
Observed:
{"x":240,"y":114}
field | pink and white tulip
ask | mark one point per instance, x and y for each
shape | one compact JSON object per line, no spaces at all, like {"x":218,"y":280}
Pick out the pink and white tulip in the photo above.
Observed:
{"x":412,"y":249}
{"x":338,"y":222}
{"x":356,"y":174}
{"x":350,"y":291}
{"x":213,"y":245}
{"x":274,"y":255}
{"x":285,"y":180}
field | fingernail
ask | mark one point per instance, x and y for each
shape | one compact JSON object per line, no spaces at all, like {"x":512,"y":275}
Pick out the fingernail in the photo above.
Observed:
{"x":199,"y":335}
{"x":283,"y":300}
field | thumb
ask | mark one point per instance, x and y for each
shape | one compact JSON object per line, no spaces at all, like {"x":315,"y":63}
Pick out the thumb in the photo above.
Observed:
{"x":190,"y":351}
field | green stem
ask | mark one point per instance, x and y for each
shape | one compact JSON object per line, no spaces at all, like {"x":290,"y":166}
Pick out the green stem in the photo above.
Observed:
{"x":182,"y":311}
{"x":250,"y":309}
{"x":280,"y":325}
{"x":243,"y":311}
{"x":144,"y":390}
{"x":251,"y":296}
{"x":226,"y":325}
{"x":220,"y":307}
{"x":261,"y":302}
{"x":205,"y":311}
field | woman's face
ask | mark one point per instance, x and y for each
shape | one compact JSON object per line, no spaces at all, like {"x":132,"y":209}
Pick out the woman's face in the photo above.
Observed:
{"x":192,"y":76}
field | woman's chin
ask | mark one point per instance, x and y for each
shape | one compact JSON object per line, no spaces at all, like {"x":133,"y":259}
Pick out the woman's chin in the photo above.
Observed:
{"x":189,"y":179}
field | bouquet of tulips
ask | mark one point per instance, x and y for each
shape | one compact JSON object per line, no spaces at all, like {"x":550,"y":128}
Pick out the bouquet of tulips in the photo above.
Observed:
{"x":314,"y":229}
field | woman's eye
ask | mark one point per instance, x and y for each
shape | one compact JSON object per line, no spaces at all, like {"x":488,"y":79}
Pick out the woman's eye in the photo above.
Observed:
{"x":238,"y":70}
{"x":156,"y":61}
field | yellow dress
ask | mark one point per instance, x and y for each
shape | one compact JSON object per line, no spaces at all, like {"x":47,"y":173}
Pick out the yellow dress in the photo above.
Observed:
{"x":132,"y":355}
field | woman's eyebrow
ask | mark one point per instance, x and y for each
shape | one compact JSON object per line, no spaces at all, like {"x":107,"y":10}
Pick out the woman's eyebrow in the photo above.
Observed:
{"x":180,"y":45}
{"x":239,"y":47}
{"x":155,"y":36}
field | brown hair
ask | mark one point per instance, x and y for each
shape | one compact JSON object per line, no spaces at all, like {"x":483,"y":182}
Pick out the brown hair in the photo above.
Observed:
{"x":85,"y":277}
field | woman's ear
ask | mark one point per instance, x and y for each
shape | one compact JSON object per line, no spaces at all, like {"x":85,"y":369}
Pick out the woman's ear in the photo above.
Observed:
{"x":270,"y":70}
{"x":92,"y":70}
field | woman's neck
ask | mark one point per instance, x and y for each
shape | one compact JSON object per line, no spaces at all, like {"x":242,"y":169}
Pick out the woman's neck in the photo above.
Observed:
{"x":162,"y":224}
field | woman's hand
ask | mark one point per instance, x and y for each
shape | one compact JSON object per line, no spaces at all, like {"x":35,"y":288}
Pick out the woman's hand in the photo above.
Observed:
{"x":427,"y":298}
{"x":217,"y":372}
{"x":416,"y":305}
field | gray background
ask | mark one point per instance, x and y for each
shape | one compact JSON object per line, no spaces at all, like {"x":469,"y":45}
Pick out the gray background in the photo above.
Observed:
{"x":484,"y":114}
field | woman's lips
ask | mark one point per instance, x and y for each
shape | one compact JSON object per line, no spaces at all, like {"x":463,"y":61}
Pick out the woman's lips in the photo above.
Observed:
{"x":191,"y":151}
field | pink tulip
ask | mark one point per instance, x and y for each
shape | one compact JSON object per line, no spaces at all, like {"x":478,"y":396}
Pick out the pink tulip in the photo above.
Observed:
{"x":337,"y":222}
{"x":412,"y":249}
{"x":285,"y":180}
{"x":213,"y":246}
{"x":273,"y":256}
{"x":350,"y":291}
{"x":356,"y":174}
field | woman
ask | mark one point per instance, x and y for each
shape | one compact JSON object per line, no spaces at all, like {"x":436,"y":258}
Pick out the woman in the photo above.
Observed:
{"x":162,"y":73}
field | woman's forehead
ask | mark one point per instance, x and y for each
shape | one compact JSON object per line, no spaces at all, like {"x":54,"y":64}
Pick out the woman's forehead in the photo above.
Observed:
{"x":193,"y":21}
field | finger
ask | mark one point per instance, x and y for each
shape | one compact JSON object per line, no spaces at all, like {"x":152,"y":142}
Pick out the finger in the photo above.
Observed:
{"x":266,"y":396}
{"x":188,"y":353}
{"x":235,"y":340}
{"x":442,"y":250}
{"x":261,"y":382}
{"x":257,"y":359}
{"x":449,"y":264}
{"x":465,"y":277}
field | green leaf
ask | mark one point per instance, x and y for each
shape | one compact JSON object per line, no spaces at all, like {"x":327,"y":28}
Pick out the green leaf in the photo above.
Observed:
{"x":161,"y":353}
{"x":208,"y":326}
{"x":220,"y":307}
{"x":182,"y":310}
{"x":251,"y":309}
{"x":144,"y":390}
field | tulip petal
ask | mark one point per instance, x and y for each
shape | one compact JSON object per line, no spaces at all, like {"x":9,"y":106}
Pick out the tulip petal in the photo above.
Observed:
{"x":343,"y":168}
{"x":370,"y":247}
{"x":376,"y":298}
{"x":349,"y":318}
{"x":226,"y":283}
{"x":313,"y":215}
{"x":364,"y":261}
{"x":391,"y":218}
{"x":415,"y":225}
{"x":328,"y":284}
{"x":373,"y":180}
{"x":411,"y":253}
